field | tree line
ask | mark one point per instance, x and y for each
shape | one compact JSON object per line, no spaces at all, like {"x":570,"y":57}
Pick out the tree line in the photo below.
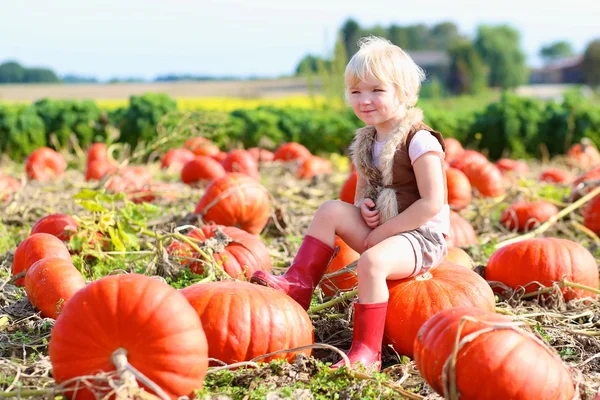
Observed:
{"x":494,"y":58}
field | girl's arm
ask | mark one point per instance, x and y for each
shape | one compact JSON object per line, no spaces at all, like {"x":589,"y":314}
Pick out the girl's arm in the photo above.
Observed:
{"x":430,"y":180}
{"x":358,"y":194}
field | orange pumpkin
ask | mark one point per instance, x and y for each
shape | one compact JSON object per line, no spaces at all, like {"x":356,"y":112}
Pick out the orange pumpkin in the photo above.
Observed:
{"x":461,"y":231}
{"x":97,"y":152}
{"x":468,"y":157}
{"x":62,"y":226}
{"x":459,"y":189}
{"x":591,"y":215}
{"x":241,"y":161}
{"x":312,"y":167}
{"x":583,"y":155}
{"x":201,"y":168}
{"x":241,"y":255}
{"x":291,"y":152}
{"x":510,"y":166}
{"x":201,"y":146}
{"x":34,"y":248}
{"x":460,"y":257}
{"x":486,"y":178}
{"x":544,"y":260}
{"x":243,"y":321}
{"x":175,"y":159}
{"x":50,"y":283}
{"x":151,"y":321}
{"x":453,"y":149}
{"x":508,"y":362}
{"x":235,"y":200}
{"x":555,"y":175}
{"x":95,"y":170}
{"x":343,"y":282}
{"x":261,"y":155}
{"x":45,"y":164}
{"x":149,"y":193}
{"x":413,"y":301}
{"x":526,"y":215}
{"x":8,"y":186}
{"x":348,"y":190}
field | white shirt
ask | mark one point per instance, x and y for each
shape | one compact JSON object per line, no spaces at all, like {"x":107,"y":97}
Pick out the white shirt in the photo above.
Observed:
{"x":423,"y":142}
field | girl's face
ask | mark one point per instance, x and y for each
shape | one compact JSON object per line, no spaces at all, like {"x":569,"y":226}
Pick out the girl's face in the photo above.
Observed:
{"x":376,"y":103}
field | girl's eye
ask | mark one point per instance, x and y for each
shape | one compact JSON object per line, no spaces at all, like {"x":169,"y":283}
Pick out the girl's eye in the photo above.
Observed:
{"x":354,"y":92}
{"x":378,"y":90}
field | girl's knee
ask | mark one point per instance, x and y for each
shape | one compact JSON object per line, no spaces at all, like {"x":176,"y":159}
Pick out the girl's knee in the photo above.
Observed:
{"x":369,"y":265}
{"x":329,"y":209}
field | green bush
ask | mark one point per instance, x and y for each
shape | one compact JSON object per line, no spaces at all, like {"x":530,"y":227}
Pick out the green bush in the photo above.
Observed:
{"x":21,"y":132}
{"x":141,"y":118}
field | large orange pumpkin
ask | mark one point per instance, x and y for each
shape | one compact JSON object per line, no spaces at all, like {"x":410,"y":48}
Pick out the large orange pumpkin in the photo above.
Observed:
{"x":544,"y":261}
{"x":238,"y":252}
{"x":468,"y":157}
{"x":34,"y":248}
{"x":62,"y":226}
{"x":45,"y":164}
{"x":525,"y":215}
{"x":151,"y":321}
{"x":312,"y":167}
{"x":414,"y":300}
{"x":241,"y":161}
{"x":453,"y":149}
{"x":236,"y":200}
{"x":486,"y":178}
{"x":459,"y":189}
{"x":50,"y":283}
{"x":343,"y":282}
{"x":348,"y":190}
{"x":460,"y":257}
{"x":508,"y":363}
{"x":243,"y":321}
{"x":201,"y":168}
{"x":461,"y":231}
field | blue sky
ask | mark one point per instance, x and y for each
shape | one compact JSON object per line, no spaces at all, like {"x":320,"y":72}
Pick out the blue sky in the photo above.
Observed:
{"x":145,"y":38}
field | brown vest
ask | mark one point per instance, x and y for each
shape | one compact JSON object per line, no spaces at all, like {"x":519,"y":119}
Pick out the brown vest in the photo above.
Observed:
{"x":393,"y":186}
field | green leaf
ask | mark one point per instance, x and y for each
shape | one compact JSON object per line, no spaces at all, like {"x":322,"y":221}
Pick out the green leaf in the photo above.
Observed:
{"x":86,"y":194}
{"x":92,"y":206}
{"x":115,"y":239}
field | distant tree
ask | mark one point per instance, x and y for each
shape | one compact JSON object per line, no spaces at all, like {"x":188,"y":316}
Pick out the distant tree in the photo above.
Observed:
{"x":499,"y":47}
{"x":40,"y":75}
{"x":467,"y":73}
{"x":398,"y":35}
{"x":11,"y":72}
{"x":591,"y":64}
{"x":72,"y":78}
{"x":310,"y":65}
{"x":350,"y":34}
{"x":443,"y":34}
{"x":556,"y":51}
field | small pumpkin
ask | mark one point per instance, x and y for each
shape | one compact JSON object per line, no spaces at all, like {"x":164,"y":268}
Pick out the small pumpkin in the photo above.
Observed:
{"x":591,"y":215}
{"x":201,"y":168}
{"x":468,"y":157}
{"x":513,"y":167}
{"x":34,"y":248}
{"x":525,"y":215}
{"x":175,"y":159}
{"x":509,"y":363}
{"x":241,"y":161}
{"x":555,"y":175}
{"x":291,"y":152}
{"x":149,"y":193}
{"x":583,"y":155}
{"x":96,"y":169}
{"x":414,"y":300}
{"x":313,"y":166}
{"x":63,"y":226}
{"x":454,"y":149}
{"x":202,"y":146}
{"x":460,"y":257}
{"x":97,"y":152}
{"x":235,"y":200}
{"x":45,"y":164}
{"x":348,"y":190}
{"x":238,"y":252}
{"x":261,"y":155}
{"x":345,"y":281}
{"x":50,"y":283}
{"x":461,"y":231}
{"x":544,"y":261}
{"x":8,"y":186}
{"x":154,"y":323}
{"x":243,"y":321}
{"x":459,"y":189}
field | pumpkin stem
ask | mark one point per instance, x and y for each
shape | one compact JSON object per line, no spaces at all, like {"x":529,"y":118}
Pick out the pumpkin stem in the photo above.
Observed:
{"x":424,"y":277}
{"x":336,"y":300}
{"x":546,"y":225}
{"x":128,"y":373}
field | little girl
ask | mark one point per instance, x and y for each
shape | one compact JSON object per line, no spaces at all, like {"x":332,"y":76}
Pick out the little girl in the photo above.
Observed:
{"x":400,"y":219}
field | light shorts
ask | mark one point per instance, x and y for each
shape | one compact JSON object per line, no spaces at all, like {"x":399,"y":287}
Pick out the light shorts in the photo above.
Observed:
{"x":429,"y":246}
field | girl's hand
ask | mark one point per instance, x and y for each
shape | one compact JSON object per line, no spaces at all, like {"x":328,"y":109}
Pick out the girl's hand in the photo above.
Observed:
{"x":369,"y":214}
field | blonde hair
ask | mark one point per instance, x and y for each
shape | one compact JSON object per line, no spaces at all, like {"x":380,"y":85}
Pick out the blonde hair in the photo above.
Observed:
{"x":388,"y":63}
